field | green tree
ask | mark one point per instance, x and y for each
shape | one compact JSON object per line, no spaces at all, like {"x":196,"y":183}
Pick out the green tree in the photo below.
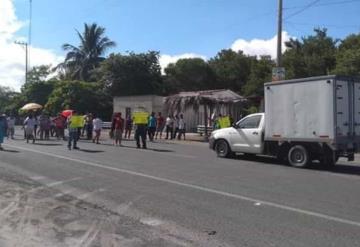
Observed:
{"x":348,"y":56}
{"x":314,"y":55}
{"x":132,"y":74}
{"x":189,"y":74}
{"x":232,"y":69}
{"x":81,"y":60}
{"x":81,"y":96}
{"x":6,"y":98}
{"x":37,"y":89}
{"x":261,"y":72}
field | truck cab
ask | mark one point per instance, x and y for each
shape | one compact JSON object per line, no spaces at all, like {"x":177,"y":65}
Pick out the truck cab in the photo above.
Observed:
{"x":245,"y":136}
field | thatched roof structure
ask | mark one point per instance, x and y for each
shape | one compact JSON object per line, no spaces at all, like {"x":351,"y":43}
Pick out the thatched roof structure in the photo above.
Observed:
{"x":184,"y":100}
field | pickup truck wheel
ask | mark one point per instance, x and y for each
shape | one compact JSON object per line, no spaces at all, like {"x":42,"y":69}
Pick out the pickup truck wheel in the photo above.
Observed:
{"x":222,"y":149}
{"x":298,"y":156}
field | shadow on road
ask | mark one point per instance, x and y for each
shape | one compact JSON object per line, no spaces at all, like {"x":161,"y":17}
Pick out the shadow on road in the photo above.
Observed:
{"x":46,"y":144}
{"x":90,"y":151}
{"x":339,"y":168}
{"x":10,"y":151}
{"x":132,"y":147}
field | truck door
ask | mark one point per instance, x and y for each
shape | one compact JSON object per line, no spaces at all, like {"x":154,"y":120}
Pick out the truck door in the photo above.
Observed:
{"x":357,"y":108}
{"x":248,"y":138}
{"x":342,"y":109}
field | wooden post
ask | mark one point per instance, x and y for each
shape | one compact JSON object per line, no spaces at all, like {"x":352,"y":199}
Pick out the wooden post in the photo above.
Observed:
{"x":206,"y":122}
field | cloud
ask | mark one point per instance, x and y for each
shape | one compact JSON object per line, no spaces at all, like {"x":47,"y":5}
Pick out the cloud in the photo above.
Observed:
{"x":257,"y":47}
{"x":165,"y":60}
{"x":12,"y":56}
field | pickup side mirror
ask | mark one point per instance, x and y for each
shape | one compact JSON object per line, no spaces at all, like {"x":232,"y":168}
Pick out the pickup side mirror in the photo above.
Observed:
{"x":235,"y":126}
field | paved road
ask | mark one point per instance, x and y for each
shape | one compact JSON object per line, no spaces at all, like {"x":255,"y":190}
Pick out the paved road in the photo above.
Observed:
{"x":176,"y":194}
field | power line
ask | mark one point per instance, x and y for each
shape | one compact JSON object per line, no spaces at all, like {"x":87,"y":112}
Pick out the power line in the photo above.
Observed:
{"x":29,"y":38}
{"x":303,"y":9}
{"x":325,"y":4}
{"x":324,"y":25}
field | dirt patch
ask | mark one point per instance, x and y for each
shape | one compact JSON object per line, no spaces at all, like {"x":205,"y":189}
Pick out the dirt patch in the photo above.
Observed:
{"x":31,"y":215}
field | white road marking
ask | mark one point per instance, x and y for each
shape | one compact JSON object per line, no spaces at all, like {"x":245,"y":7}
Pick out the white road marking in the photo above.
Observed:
{"x":56,"y":183}
{"x":67,"y":192}
{"x":37,"y":178}
{"x":89,"y":194}
{"x":151,"y":221}
{"x":197,"y":187}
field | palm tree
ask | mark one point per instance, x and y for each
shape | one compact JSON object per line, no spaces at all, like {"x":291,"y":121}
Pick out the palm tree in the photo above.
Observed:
{"x":81,"y":60}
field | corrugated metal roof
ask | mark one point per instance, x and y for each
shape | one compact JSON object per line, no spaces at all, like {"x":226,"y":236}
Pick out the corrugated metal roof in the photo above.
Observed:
{"x":221,"y":95}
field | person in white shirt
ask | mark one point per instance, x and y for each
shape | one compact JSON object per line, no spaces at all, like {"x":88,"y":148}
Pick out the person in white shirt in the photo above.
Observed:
{"x":182,"y":127}
{"x":97,"y":126}
{"x":176,"y":126}
{"x":29,"y":125}
{"x":11,"y":127}
{"x":169,"y":123}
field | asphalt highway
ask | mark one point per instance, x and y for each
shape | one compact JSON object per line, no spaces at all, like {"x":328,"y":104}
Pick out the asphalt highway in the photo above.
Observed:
{"x":181,"y":194}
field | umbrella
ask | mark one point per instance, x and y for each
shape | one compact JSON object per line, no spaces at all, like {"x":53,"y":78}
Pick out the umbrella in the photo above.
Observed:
{"x":67,"y":113}
{"x":31,"y":107}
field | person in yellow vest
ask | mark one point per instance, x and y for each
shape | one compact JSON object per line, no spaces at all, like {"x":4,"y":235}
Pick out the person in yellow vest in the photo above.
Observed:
{"x":141,"y":122}
{"x":74,"y":122}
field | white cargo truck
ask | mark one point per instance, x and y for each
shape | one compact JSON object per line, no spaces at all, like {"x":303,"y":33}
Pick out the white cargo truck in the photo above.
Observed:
{"x":315,"y":118}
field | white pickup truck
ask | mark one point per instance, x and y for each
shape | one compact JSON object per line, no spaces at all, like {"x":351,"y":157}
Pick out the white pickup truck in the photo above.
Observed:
{"x":307,"y":119}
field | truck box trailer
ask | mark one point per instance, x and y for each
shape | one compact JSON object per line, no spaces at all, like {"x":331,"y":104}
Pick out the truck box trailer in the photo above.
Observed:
{"x":315,"y":118}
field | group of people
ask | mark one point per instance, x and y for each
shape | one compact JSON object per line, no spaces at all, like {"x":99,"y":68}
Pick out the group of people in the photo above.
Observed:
{"x":175,"y":127}
{"x":153,"y":127}
{"x":90,"y":126}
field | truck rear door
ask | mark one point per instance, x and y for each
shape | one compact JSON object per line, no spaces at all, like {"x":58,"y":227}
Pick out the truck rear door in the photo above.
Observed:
{"x":342,"y":109}
{"x":357,"y":108}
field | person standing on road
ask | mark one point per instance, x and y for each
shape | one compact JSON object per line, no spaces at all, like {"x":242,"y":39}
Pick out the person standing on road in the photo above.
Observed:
{"x":73,"y":127}
{"x":45,"y":125}
{"x":117,"y":128}
{"x":36,"y":121}
{"x":128,"y":126}
{"x":97,"y":126}
{"x":141,"y":120}
{"x":59,"y":122}
{"x":152,"y":126}
{"x":3,"y":130}
{"x":182,"y":127}
{"x":169,"y":127}
{"x":89,"y":126}
{"x":10,"y":126}
{"x":160,"y":124}
{"x":29,"y":126}
{"x":176,"y":126}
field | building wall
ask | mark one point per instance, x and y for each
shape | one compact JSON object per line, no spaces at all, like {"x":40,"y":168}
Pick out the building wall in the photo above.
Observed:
{"x":194,"y":118}
{"x":149,"y":102}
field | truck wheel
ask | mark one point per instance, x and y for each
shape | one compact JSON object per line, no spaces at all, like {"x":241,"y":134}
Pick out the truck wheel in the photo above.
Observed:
{"x":298,"y":156}
{"x":222,"y":149}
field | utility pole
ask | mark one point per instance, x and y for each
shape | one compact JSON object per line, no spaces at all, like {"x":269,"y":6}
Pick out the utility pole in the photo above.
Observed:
{"x":278,"y":73}
{"x":30,"y":27}
{"x":279,"y":36}
{"x":25,"y":45}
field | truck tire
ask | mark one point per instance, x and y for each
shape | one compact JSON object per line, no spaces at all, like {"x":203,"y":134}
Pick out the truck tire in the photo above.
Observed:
{"x":298,"y":156}
{"x":223,"y":149}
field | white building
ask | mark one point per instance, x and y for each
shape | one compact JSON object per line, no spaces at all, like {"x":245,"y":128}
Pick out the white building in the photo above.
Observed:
{"x":127,"y":104}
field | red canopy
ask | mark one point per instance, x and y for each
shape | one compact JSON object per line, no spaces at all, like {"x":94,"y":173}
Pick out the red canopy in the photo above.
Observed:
{"x":67,"y":113}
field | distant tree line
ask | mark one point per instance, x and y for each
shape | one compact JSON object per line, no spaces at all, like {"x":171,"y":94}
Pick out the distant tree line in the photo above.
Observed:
{"x":87,"y":81}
